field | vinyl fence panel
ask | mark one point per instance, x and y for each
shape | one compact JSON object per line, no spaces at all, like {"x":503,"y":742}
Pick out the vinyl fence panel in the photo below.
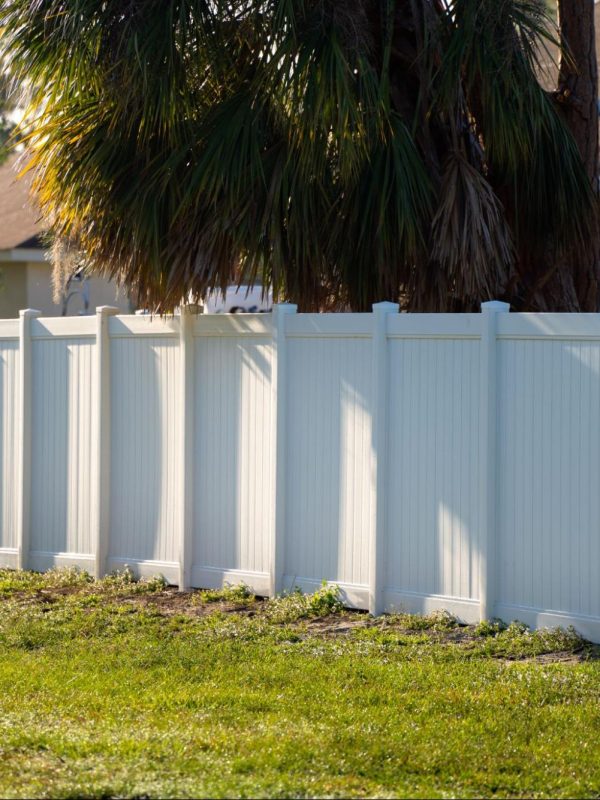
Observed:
{"x":329,"y":466}
{"x":232,"y":455}
{"x":434,"y":468}
{"x":417,"y":461}
{"x":9,"y":451}
{"x":144,"y":448}
{"x":63,"y":408}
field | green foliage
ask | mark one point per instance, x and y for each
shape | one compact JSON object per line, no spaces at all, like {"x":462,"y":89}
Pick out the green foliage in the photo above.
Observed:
{"x":437,"y":621}
{"x":72,"y":578}
{"x":12,"y":581}
{"x":238,"y":594}
{"x":125,"y":580}
{"x":489,"y":627}
{"x":294,"y":606}
{"x":517,"y":641}
{"x":345,"y":151}
{"x":326,"y":600}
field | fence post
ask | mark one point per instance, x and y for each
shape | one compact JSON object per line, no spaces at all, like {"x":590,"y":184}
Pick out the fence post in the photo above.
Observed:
{"x":102,"y":432}
{"x":24,"y":433}
{"x":186,"y":345}
{"x":279,"y":449}
{"x":380,"y":439}
{"x":487,"y":560}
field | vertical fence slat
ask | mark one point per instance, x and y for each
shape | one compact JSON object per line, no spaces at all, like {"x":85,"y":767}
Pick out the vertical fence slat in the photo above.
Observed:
{"x":380,"y":461}
{"x":24,"y":436}
{"x":278,"y":448}
{"x":102,"y":435}
{"x":186,"y":401}
{"x":489,"y":449}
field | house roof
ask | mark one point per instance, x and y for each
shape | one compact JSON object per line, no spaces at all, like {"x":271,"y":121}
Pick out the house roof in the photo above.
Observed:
{"x":20,"y":225}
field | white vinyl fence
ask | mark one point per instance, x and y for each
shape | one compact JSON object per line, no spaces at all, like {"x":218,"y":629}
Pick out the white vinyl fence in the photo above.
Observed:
{"x":418,"y":461}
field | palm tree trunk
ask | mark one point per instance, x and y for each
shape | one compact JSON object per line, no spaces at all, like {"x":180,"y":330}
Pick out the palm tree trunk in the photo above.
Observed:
{"x":578,"y":97}
{"x":578,"y":78}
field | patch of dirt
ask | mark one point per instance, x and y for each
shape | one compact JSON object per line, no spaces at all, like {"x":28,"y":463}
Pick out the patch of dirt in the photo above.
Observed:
{"x":339,"y":625}
{"x":349,"y":620}
{"x":588,"y":652}
{"x":171,"y":601}
{"x":462,"y":635}
{"x":168,"y":602}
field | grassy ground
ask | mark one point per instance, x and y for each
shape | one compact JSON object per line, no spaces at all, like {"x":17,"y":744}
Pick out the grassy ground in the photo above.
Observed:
{"x":129,"y":689}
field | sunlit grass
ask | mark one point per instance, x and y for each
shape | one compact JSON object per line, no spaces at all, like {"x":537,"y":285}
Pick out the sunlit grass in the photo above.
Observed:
{"x":125,"y":688}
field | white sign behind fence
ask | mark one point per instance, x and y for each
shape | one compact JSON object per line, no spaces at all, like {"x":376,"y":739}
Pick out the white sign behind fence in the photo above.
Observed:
{"x":418,"y":461}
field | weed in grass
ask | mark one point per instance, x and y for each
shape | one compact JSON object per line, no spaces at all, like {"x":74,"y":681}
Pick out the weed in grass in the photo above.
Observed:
{"x":236,"y":594}
{"x":288,"y":634}
{"x":119,"y":578}
{"x":489,"y":627}
{"x":437,"y":621}
{"x":58,"y":580}
{"x":516,"y":629}
{"x":125,"y":580}
{"x":14,"y":580}
{"x":324,"y":601}
{"x":388,"y":636}
{"x":91,"y":600}
{"x":157,"y":583}
{"x":518,"y":642}
{"x":293,"y":606}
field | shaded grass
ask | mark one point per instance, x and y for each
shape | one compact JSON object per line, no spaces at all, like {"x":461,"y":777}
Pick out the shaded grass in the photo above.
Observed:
{"x":124,"y":688}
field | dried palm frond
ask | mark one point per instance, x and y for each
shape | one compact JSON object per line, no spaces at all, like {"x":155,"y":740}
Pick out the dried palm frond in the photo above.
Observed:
{"x":66,"y":259}
{"x":470,"y":238}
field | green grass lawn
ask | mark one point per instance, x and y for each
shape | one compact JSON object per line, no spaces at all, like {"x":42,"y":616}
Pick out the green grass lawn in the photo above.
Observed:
{"x":124,"y":689}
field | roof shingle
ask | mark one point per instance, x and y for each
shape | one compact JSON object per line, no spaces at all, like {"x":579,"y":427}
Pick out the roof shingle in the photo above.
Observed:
{"x":20,"y":224}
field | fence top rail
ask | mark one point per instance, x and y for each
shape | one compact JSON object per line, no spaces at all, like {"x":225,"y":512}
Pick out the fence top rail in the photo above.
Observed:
{"x":419,"y":326}
{"x":233,"y":325}
{"x":142,"y":325}
{"x":514,"y":325}
{"x":9,"y":328}
{"x":62,"y":327}
{"x":320,"y":325}
{"x":548,"y":326}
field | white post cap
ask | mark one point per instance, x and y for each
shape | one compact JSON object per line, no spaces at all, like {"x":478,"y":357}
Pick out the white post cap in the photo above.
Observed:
{"x":495,"y":305}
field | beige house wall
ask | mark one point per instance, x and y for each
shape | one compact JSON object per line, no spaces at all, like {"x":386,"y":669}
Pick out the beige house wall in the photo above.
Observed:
{"x":29,"y":285}
{"x":39,"y":293}
{"x":13,"y":289}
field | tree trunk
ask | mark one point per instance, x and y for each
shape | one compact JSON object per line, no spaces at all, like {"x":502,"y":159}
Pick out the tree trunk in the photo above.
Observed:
{"x":578,"y":78}
{"x":578,"y":97}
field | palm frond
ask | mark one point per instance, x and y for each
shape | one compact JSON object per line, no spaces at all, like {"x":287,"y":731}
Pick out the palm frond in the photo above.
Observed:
{"x":470,"y":238}
{"x":492,"y":52}
{"x":388,"y":211}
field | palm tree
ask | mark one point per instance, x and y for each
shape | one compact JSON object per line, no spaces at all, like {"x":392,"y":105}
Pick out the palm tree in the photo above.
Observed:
{"x":337,"y":150}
